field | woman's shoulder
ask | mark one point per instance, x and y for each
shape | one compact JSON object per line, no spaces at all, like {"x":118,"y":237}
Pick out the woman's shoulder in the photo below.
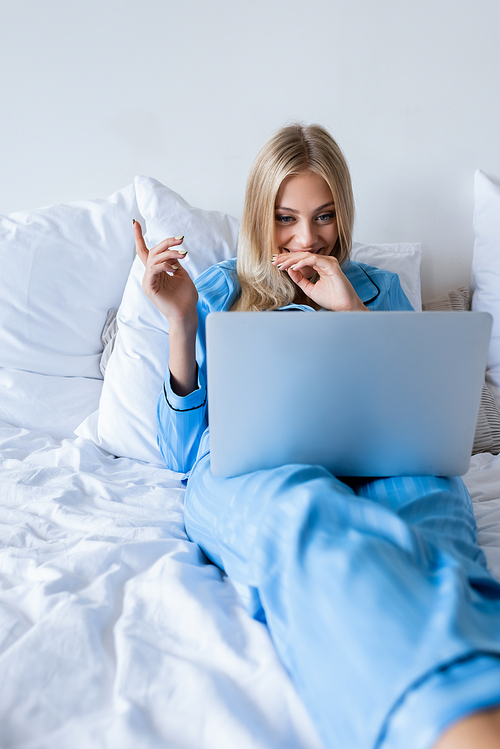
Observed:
{"x":367,"y":280}
{"x":218,"y":287}
{"x":376,"y":287}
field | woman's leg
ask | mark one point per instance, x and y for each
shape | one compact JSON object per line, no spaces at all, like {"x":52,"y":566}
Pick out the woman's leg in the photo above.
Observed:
{"x":389,"y":634}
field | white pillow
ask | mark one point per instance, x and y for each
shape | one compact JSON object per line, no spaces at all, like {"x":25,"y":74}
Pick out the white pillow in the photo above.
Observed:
{"x":46,"y":403}
{"x":210,"y":236}
{"x":403,"y":259}
{"x":125,"y":424}
{"x":63,"y":267}
{"x":486,"y":268}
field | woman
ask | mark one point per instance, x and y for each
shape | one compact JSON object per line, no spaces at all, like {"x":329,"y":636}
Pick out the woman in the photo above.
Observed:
{"x":375,"y":592}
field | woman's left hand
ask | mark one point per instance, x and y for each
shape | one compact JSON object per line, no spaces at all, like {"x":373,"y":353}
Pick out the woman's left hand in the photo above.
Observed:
{"x":332,"y":290}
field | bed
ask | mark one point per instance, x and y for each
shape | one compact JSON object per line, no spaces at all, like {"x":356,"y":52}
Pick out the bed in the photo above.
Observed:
{"x":115,"y":631}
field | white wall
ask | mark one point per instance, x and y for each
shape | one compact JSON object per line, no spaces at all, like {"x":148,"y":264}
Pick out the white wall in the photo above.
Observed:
{"x":187,"y":91}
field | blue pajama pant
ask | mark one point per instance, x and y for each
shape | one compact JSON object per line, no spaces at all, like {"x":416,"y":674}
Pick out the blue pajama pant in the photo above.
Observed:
{"x":375,"y":592}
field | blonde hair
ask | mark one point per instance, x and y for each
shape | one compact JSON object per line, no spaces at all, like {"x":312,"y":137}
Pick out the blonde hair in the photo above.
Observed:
{"x":290,"y":151}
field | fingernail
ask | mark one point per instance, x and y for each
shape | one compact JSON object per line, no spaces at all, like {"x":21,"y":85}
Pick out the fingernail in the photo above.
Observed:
{"x":182,"y":252}
{"x":292,"y":267}
{"x":279,"y":266}
{"x":133,"y":221}
{"x":274,"y":256}
{"x":175,"y":267}
{"x":179,"y":237}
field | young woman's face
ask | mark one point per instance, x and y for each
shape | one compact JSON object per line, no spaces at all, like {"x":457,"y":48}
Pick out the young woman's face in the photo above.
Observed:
{"x":305,"y":219}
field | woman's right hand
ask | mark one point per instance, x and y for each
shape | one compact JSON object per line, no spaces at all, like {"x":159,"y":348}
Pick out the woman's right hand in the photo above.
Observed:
{"x":174,"y":295}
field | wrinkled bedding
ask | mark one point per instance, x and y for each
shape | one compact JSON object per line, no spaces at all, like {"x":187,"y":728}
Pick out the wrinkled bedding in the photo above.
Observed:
{"x":114,"y":629}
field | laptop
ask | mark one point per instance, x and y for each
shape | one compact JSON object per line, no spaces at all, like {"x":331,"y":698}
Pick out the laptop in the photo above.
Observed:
{"x":362,"y":394}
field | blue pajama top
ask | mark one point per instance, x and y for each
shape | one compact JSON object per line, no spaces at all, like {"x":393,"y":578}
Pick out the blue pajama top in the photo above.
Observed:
{"x":183,"y":432}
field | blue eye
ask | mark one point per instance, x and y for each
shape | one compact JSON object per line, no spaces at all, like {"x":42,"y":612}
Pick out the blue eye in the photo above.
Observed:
{"x":284,"y":219}
{"x":326,"y":217}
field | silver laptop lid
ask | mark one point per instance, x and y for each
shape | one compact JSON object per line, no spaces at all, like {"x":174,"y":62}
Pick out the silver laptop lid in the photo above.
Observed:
{"x":363,"y":394}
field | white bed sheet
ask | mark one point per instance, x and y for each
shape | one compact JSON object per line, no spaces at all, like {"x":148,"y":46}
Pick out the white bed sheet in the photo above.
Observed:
{"x":114,"y":631}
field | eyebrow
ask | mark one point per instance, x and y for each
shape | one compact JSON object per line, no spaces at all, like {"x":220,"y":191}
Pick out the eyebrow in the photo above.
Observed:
{"x":292,"y":210}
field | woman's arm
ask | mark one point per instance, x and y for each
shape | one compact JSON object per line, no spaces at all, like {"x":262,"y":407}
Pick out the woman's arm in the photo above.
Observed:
{"x":181,"y":421}
{"x":181,"y":411}
{"x":172,"y":291}
{"x":182,"y":357}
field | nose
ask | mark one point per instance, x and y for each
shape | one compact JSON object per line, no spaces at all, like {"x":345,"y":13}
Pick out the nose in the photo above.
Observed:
{"x":306,"y":235}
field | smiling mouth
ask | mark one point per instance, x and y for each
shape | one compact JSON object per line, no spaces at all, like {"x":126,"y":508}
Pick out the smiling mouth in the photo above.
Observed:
{"x":313,"y":252}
